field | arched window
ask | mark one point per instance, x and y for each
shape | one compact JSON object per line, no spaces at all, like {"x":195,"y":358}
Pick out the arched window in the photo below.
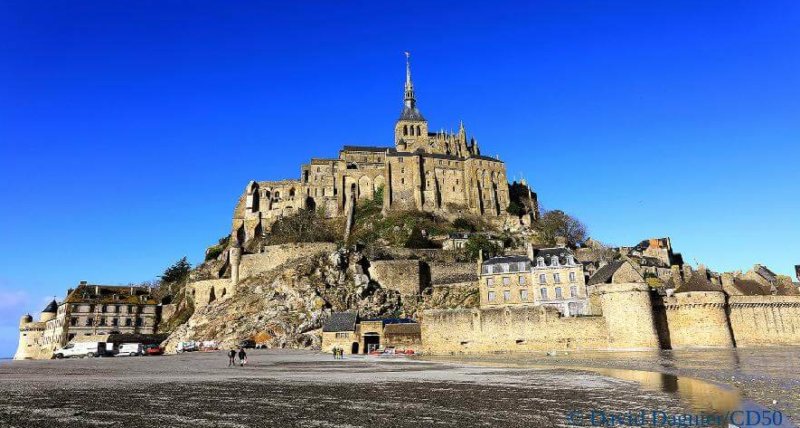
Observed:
{"x":405,"y":129}
{"x":419,"y":130}
{"x":291,"y":192}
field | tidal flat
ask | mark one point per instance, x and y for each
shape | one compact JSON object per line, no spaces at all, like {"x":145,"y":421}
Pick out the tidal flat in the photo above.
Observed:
{"x":307,"y":389}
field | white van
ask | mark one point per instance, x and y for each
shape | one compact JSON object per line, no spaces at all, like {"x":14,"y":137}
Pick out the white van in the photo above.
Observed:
{"x":131,"y":349}
{"x":81,"y":349}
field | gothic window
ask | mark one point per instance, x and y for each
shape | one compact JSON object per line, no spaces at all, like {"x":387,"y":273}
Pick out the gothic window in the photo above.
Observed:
{"x":419,"y":130}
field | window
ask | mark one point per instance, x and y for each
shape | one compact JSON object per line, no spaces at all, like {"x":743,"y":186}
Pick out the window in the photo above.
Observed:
{"x":572,"y":277}
{"x":89,"y":322}
{"x":540,"y":261}
{"x":542,"y":278}
{"x":558,"y":293}
{"x":344,"y":335}
{"x":489,"y":282}
{"x":573,"y":291}
{"x":73,"y":322}
{"x":506,"y":280}
{"x":128,"y":322}
{"x":543,"y":292}
{"x":491,"y":296}
{"x":102,"y":321}
{"x":504,"y":267}
{"x":139,"y":322}
{"x":521,"y":266}
{"x":523,"y":295}
{"x":521,"y":280}
{"x":506,"y":296}
{"x":114,"y":322}
{"x":557,"y":278}
{"x":489,"y":269}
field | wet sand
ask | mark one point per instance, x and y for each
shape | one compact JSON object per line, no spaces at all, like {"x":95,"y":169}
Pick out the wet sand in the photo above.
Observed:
{"x":295,"y":388}
{"x":767,"y":376}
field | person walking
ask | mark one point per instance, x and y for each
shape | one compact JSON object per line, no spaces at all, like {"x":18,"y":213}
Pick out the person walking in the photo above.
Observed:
{"x":242,"y":357}
{"x":232,"y":357}
{"x":335,"y":352}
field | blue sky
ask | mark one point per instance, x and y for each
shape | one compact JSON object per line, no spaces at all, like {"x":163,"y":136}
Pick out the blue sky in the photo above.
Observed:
{"x":128,"y":129}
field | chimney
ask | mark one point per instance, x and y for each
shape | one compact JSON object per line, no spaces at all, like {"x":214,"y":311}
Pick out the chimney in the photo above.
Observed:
{"x":133,"y":292}
{"x":96,"y":290}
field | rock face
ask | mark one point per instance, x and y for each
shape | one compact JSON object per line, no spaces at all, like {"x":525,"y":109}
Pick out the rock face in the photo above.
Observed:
{"x":286,"y":306}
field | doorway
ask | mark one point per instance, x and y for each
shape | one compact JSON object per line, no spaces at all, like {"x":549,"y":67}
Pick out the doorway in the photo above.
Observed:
{"x":372,"y":341}
{"x":354,"y":348}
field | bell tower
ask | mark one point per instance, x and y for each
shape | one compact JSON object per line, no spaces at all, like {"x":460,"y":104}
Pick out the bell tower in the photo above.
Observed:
{"x":411,"y":130}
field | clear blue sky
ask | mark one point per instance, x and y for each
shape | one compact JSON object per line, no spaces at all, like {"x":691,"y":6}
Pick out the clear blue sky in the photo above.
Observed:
{"x":128,"y":129}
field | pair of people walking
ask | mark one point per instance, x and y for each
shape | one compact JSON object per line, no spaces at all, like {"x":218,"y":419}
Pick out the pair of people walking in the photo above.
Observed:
{"x":232,"y":357}
{"x":338,"y":353}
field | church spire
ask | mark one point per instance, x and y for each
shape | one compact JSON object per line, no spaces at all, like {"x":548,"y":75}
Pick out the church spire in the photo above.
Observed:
{"x":409,"y":93}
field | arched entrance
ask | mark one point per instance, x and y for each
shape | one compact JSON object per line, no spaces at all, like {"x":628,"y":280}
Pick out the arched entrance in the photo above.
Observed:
{"x":372,"y":341}
{"x":311,"y":204}
{"x":354,"y":348}
{"x":211,"y":295}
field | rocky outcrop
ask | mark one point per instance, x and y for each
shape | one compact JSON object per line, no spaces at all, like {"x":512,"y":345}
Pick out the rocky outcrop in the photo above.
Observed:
{"x":286,"y":306}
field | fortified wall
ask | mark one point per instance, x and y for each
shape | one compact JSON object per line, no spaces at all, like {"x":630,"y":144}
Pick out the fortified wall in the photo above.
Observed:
{"x":765,"y":320}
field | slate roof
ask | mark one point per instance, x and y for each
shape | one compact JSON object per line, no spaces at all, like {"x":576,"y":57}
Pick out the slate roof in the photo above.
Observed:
{"x":548,"y":254}
{"x":506,"y":259}
{"x":697,"y":282}
{"x":87,"y":293}
{"x":366,"y":149}
{"x":410,"y":113}
{"x":51,"y":307}
{"x":605,"y":273}
{"x":341,"y":321}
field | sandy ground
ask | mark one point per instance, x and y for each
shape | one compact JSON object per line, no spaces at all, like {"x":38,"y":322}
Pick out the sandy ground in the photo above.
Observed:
{"x":295,"y":388}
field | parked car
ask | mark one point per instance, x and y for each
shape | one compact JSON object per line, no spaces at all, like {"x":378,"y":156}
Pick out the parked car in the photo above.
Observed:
{"x":153,"y":350}
{"x":186,"y":347}
{"x":247,"y":343}
{"x":131,"y":349}
{"x":81,"y":349}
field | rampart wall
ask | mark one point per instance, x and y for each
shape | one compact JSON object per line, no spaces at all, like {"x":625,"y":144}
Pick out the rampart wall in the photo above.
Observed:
{"x":509,"y":329}
{"x":405,"y":276}
{"x":697,"y":320}
{"x":765,"y":320}
{"x":275,"y":255}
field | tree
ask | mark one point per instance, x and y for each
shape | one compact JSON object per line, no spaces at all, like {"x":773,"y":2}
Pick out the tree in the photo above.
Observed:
{"x":477,"y":243}
{"x":302,"y":226}
{"x":557,"y":223}
{"x":515,"y":209}
{"x":178,"y":272}
{"x":417,"y":240}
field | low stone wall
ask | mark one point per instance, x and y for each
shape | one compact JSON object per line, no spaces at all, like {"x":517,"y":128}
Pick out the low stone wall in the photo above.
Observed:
{"x":521,"y":329}
{"x":765,"y":320}
{"x":404,"y":276}
{"x":698,"y":320}
{"x":275,"y":255}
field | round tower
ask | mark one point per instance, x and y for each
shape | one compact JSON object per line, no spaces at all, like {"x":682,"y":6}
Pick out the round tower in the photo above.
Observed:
{"x":697,"y":319}
{"x":28,"y":334}
{"x":24,"y":320}
{"x":628,"y":312}
{"x":49,"y":311}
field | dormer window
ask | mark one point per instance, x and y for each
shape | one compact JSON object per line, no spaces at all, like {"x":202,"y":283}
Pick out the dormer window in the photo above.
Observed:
{"x":521,"y":266}
{"x":540,"y":261}
{"x":570,"y":260}
{"x":554,"y":261}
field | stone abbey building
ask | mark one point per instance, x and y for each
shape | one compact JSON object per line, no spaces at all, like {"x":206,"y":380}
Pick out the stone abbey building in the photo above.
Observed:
{"x":437,"y":172}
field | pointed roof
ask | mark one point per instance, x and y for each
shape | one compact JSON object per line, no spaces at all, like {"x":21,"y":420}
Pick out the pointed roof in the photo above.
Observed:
{"x":605,"y":273}
{"x":410,"y":111}
{"x":51,"y":307}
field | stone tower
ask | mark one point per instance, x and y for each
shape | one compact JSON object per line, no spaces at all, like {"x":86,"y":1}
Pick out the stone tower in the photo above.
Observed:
{"x":411,"y":130}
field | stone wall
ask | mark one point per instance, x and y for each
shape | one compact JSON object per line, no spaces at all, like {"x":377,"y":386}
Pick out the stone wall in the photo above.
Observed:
{"x":205,"y":292}
{"x":275,"y":255}
{"x":452,"y":273}
{"x":405,"y":276}
{"x":510,"y":329}
{"x":765,"y":320}
{"x":698,"y":319}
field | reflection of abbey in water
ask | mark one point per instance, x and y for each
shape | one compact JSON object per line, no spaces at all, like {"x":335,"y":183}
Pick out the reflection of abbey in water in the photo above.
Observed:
{"x":442,"y":172}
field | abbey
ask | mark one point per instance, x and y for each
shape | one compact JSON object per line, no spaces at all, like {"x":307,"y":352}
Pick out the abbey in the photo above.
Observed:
{"x":438,"y":172}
